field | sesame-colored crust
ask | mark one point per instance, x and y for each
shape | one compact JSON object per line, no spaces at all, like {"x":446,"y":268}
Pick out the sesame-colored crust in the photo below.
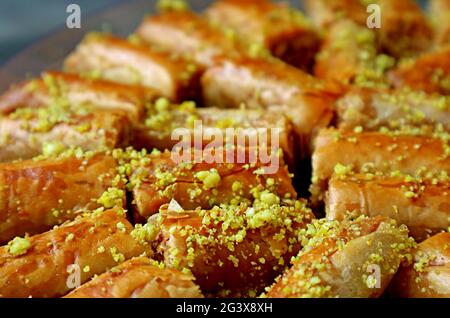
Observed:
{"x":305,"y":100}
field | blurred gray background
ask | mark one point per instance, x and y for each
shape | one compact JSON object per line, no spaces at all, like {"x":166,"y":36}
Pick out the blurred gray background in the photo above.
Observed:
{"x":22,"y":22}
{"x":34,"y":36}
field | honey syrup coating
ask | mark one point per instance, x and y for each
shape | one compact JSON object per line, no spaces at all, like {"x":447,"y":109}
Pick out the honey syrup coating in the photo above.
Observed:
{"x":131,"y":62}
{"x":24,"y":133}
{"x":372,"y":109}
{"x":237,"y":75}
{"x":189,"y":34}
{"x":156,"y":179}
{"x":66,"y":185}
{"x":428,"y":72}
{"x":231,"y":229}
{"x":76,"y":91}
{"x":282,"y":30}
{"x":428,"y":274}
{"x":420,"y":202}
{"x":339,"y":258}
{"x":235,"y":249}
{"x":409,"y":151}
{"x":163,"y":117}
{"x":139,"y":277}
{"x":40,"y":266}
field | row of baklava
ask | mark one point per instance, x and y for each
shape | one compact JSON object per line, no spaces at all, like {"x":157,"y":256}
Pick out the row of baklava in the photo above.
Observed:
{"x":230,"y":229}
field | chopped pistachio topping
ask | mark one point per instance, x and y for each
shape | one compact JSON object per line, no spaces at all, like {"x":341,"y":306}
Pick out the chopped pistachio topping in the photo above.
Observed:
{"x":360,"y":48}
{"x":172,"y":5}
{"x":225,"y":227}
{"x":70,"y":237}
{"x":145,"y":233}
{"x":51,"y":149}
{"x":422,"y":261}
{"x":121,"y":227}
{"x":342,"y":170}
{"x":118,"y":257}
{"x":111,"y":198}
{"x":211,"y":179}
{"x":309,"y":275}
{"x":18,"y":246}
{"x":164,"y":116}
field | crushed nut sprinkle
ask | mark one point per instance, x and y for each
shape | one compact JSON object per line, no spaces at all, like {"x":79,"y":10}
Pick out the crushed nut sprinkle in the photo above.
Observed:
{"x":308,"y":276}
{"x":19,"y":246}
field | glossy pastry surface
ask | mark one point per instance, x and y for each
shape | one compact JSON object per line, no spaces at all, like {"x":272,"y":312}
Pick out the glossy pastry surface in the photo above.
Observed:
{"x":355,"y":259}
{"x":67,"y":186}
{"x":139,"y":278}
{"x":246,"y":150}
{"x":428,"y":275}
{"x":53,"y":263}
